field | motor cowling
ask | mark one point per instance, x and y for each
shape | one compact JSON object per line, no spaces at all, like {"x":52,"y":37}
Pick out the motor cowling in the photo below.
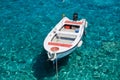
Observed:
{"x":75,"y":16}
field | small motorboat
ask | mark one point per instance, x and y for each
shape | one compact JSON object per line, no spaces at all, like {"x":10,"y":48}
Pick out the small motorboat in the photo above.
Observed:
{"x":65,"y":37}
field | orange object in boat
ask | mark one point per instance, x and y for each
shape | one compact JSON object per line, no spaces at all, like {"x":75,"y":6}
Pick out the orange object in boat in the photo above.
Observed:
{"x":54,"y":49}
{"x":67,"y":27}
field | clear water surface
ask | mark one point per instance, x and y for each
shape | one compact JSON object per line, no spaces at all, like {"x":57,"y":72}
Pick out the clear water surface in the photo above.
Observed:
{"x":25,"y":23}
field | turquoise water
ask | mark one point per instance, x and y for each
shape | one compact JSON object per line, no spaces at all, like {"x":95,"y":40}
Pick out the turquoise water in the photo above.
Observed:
{"x":25,"y":23}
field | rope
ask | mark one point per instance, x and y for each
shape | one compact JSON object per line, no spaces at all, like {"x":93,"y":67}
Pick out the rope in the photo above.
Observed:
{"x":56,"y":68}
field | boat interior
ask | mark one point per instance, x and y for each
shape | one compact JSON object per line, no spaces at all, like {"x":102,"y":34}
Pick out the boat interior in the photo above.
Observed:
{"x":67,"y":34}
{"x":70,"y":28}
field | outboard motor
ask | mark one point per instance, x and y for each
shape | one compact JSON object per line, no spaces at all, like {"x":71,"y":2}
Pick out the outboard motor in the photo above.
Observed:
{"x":75,"y":16}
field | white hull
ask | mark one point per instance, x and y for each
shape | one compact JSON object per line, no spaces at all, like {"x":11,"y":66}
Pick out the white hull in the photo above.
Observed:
{"x":64,"y":38}
{"x":63,"y":54}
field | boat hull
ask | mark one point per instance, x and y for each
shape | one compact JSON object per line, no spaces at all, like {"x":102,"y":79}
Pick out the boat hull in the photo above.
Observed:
{"x":64,"y":38}
{"x":62,"y":54}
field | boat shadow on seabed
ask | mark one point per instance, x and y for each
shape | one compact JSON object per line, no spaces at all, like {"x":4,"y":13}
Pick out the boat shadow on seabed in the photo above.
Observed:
{"x":44,"y":68}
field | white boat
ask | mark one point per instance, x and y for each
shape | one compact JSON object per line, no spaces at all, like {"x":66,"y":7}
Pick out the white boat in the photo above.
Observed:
{"x":64,"y":38}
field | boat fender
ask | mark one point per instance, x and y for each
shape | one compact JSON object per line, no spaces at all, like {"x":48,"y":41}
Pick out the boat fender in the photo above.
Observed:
{"x":86,"y":24}
{"x":80,"y":43}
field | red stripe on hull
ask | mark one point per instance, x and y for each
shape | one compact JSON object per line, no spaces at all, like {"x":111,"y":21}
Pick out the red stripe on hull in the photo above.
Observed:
{"x":59,"y":44}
